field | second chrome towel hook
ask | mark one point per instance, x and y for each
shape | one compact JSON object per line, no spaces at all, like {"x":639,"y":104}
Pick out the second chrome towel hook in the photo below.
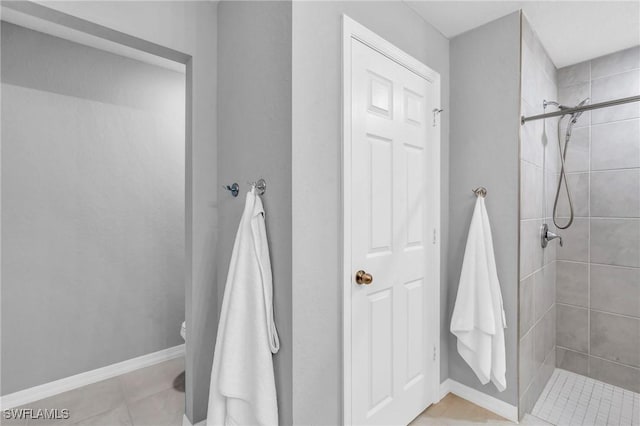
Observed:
{"x":260,"y":185}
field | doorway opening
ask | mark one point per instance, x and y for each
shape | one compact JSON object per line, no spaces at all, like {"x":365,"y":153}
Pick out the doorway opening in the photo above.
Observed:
{"x":95,"y":184}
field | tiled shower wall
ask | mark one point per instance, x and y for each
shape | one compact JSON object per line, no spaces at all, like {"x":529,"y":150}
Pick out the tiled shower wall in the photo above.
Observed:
{"x":598,"y":269}
{"x":538,"y":174}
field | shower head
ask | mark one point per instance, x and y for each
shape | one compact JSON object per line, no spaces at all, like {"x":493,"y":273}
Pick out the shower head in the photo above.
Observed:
{"x":576,"y":115}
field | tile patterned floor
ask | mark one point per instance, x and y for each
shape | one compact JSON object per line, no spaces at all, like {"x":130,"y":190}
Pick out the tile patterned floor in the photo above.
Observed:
{"x":152,"y":396}
{"x":572,"y":399}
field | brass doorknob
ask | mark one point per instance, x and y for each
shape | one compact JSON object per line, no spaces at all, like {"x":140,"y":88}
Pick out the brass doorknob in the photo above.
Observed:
{"x":363,"y":278}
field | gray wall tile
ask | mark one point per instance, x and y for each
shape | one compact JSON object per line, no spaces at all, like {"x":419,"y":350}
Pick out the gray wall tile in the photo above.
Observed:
{"x":578,"y":151}
{"x":578,"y":73}
{"x":572,"y":361}
{"x":544,"y":337}
{"x":550,"y":185}
{"x":615,"y":241}
{"x":530,"y":250}
{"x":526,"y":367}
{"x":532,"y":77}
{"x":576,"y":241}
{"x":615,"y":338}
{"x":526,"y":402}
{"x":615,"y":145}
{"x":572,"y":95}
{"x":605,"y":147}
{"x":537,"y":293}
{"x":544,"y":372}
{"x":572,"y":328}
{"x":615,"y":289}
{"x":526,"y":304}
{"x":534,"y":136}
{"x":624,"y":60}
{"x":544,"y":289}
{"x":579,"y":188}
{"x":531,"y":187}
{"x":616,"y":113}
{"x":572,"y":283}
{"x":614,"y":87}
{"x":615,"y":193}
{"x":551,"y":151}
{"x":616,"y":374}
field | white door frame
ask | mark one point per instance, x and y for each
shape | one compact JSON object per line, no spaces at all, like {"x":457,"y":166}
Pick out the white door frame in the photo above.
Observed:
{"x":353,"y":30}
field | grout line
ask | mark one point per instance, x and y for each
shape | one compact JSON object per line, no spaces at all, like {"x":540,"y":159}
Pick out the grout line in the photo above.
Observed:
{"x":621,"y":169}
{"x":535,"y":272}
{"x":589,"y":233}
{"x":615,"y":362}
{"x":572,"y":306}
{"x":597,"y":217}
{"x":598,"y":264}
{"x":614,"y":121}
{"x":598,"y":311}
{"x":615,"y":218}
{"x":629,"y":71}
{"x":619,"y":120}
{"x":537,"y":321}
{"x":614,"y":314}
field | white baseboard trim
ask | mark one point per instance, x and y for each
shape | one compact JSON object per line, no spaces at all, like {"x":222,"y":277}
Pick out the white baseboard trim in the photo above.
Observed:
{"x":186,"y":422}
{"x":490,"y":403}
{"x":73,"y":382}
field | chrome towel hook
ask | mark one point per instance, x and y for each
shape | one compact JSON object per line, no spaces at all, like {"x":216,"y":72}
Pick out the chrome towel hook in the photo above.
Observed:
{"x":260,"y":185}
{"x":480,"y":191}
{"x":234,"y":188}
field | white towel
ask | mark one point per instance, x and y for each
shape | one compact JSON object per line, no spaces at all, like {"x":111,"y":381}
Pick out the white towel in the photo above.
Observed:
{"x":243,"y":390}
{"x":478,"y":319}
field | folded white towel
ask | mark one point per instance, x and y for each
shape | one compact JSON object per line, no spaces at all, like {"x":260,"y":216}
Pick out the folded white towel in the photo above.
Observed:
{"x":478,"y":319}
{"x":243,"y":390}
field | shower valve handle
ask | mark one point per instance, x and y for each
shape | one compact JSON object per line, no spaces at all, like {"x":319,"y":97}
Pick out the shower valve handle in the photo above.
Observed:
{"x":546,"y":236}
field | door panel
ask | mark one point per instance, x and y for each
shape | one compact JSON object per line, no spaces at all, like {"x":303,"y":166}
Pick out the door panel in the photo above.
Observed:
{"x":390,"y":108}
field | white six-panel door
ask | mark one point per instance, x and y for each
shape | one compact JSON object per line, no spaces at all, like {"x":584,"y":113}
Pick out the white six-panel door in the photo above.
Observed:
{"x":392,"y":230}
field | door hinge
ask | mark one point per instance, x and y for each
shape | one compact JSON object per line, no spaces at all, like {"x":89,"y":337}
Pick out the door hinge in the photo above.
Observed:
{"x":435,"y":112}
{"x":434,"y":352}
{"x":434,"y":235}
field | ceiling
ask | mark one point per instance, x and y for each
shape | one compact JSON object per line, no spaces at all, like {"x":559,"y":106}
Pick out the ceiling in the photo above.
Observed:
{"x":571,"y":31}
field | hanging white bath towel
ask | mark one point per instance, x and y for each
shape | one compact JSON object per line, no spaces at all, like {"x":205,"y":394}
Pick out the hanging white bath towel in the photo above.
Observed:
{"x":242,"y":390}
{"x":478,"y":319}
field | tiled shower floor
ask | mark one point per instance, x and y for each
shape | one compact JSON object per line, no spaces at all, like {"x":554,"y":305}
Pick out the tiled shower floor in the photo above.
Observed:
{"x":572,"y":399}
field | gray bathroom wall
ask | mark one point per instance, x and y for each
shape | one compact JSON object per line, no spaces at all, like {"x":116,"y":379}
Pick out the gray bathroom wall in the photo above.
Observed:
{"x":316,"y":148}
{"x":93,"y":173}
{"x":539,"y":161}
{"x":598,"y":275}
{"x":485,"y":102}
{"x":187,"y":27}
{"x":254,"y":116}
